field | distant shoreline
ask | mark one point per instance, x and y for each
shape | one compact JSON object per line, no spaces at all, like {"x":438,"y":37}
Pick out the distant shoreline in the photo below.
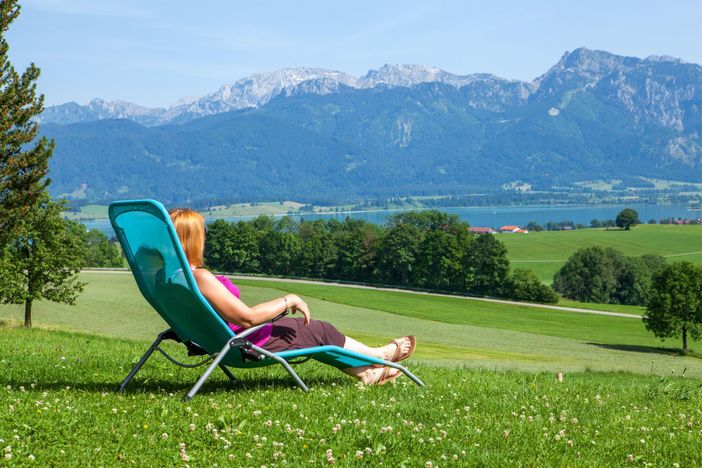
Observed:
{"x":209,"y":214}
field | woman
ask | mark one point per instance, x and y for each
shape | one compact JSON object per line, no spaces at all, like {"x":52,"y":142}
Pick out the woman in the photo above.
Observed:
{"x":285,"y":333}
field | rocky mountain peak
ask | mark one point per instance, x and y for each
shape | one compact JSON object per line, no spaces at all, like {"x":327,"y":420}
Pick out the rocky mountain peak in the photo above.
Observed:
{"x":402,"y":75}
{"x":579,"y":68}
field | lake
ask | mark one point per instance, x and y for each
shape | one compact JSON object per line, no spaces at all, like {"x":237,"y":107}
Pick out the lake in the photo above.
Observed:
{"x":497,"y":216}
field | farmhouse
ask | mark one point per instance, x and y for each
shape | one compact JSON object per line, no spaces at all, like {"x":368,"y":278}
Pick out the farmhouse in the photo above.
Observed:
{"x":482,"y":230}
{"x":513,"y":229}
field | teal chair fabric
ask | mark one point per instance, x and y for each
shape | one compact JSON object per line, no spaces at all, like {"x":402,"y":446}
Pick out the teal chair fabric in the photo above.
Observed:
{"x":161,"y":270}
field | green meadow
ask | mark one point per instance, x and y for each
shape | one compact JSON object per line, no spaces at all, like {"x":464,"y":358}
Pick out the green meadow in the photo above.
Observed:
{"x":545,"y":252}
{"x":491,"y":397}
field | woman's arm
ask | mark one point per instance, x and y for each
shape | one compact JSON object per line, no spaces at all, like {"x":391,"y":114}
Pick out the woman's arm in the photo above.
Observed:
{"x":235,"y":311}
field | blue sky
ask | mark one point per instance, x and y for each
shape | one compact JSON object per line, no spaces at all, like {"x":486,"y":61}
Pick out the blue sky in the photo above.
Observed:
{"x":157,"y":51}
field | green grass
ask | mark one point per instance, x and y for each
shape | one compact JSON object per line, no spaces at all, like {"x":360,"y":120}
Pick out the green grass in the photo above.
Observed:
{"x":247,"y":209}
{"x":620,"y":308}
{"x":546,"y":252}
{"x":58,"y":407}
{"x":451,"y":331}
{"x":491,"y":397}
{"x":463,"y":311}
{"x":88,"y":212}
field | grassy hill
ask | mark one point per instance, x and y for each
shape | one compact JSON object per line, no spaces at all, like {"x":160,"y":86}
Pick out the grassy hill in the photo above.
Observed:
{"x":479,"y":407}
{"x":452,"y":331}
{"x":546,"y":252}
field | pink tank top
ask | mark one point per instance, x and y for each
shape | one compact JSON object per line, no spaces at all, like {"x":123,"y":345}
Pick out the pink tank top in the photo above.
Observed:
{"x":259,"y":337}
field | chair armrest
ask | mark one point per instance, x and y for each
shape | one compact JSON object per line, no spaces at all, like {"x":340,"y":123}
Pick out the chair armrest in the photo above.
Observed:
{"x":251,"y":330}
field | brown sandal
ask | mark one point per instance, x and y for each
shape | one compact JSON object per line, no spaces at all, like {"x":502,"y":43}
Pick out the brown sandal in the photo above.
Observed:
{"x":398,"y":356}
{"x":386,"y":376}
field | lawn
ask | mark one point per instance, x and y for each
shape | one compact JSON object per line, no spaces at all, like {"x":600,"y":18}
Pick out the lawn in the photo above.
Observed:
{"x":546,"y":252}
{"x":451,"y":331}
{"x":491,"y":395}
{"x":58,"y":407}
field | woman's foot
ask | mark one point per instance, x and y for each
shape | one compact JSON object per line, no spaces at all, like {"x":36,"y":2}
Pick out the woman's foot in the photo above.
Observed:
{"x":400,"y":348}
{"x":378,"y":375}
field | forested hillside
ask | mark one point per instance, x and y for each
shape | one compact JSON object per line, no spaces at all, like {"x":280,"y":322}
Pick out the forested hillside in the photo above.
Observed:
{"x":594,"y":115}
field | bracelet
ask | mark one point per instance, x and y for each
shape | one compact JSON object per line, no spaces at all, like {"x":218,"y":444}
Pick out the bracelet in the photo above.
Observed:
{"x":286,"y":304}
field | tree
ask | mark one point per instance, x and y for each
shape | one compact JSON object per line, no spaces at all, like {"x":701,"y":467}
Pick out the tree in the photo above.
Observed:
{"x":627,"y":218}
{"x":23,"y":158}
{"x":635,"y":278}
{"x":44,"y":261}
{"x":488,"y":266}
{"x":524,"y":285}
{"x":590,"y":275}
{"x":533,"y":226}
{"x":100,"y":252}
{"x":675,"y":306}
{"x":397,"y":253}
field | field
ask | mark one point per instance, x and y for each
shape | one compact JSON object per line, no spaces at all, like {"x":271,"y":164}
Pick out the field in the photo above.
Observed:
{"x":87,"y":212}
{"x":453,"y":331}
{"x":546,"y":252}
{"x":491,"y":398}
{"x":249,"y":209}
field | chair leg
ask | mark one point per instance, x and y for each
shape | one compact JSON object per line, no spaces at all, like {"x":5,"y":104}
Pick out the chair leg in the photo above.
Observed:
{"x":188,"y":396}
{"x":284,"y":363}
{"x":141,"y":362}
{"x":406,"y":371}
{"x":228,"y":372}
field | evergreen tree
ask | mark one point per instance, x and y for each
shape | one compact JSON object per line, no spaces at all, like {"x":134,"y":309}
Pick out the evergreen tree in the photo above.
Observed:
{"x":23,"y":158}
{"x":44,"y":261}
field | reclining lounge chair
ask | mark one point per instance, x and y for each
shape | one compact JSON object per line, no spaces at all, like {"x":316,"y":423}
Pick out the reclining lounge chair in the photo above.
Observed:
{"x":160,"y":268}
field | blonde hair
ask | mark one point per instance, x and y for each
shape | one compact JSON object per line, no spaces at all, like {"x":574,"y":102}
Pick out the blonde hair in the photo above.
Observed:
{"x":190,"y":227}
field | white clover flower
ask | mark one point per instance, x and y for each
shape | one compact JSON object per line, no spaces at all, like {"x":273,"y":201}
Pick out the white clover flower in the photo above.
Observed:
{"x":164,"y":436}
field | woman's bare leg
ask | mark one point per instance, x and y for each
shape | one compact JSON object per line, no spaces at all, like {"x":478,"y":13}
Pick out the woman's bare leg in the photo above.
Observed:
{"x":371,"y":374}
{"x":383,"y":352}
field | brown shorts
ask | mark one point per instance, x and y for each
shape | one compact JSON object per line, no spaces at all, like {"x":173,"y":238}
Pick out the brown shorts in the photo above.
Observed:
{"x":292,"y":333}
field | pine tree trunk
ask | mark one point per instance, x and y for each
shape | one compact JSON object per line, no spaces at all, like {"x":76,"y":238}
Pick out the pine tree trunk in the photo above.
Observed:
{"x":28,"y":313}
{"x":684,"y":334}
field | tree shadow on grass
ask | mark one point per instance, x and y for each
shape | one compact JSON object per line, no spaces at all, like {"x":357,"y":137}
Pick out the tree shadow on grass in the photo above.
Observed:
{"x":644,"y":349}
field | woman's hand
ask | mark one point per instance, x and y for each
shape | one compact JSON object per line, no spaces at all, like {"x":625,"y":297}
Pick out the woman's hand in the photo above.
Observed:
{"x":295,"y":304}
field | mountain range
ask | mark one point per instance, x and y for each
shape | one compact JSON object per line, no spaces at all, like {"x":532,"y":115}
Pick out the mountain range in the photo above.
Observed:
{"x":311,"y":134}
